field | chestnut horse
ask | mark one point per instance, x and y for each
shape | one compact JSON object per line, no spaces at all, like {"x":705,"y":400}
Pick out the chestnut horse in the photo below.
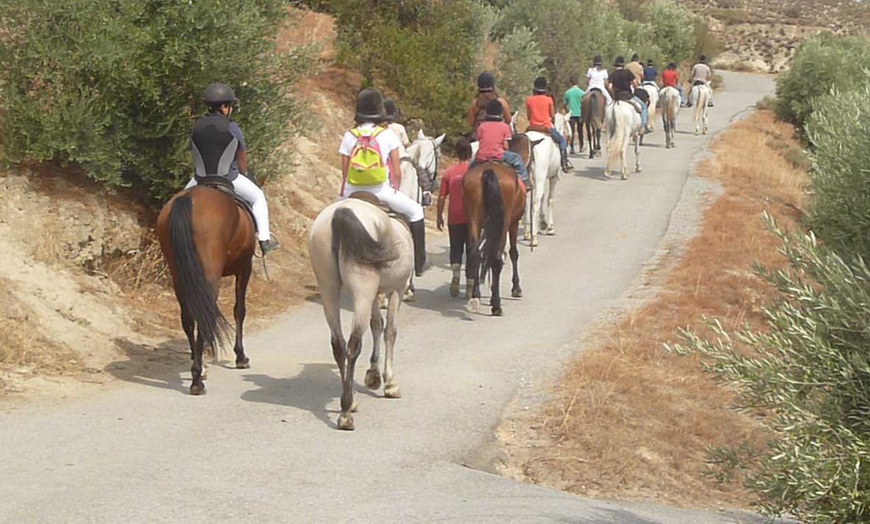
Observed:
{"x":494,"y":201}
{"x":205,"y":235}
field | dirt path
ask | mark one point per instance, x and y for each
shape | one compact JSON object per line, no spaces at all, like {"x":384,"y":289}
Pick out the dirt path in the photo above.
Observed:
{"x":260,"y":446}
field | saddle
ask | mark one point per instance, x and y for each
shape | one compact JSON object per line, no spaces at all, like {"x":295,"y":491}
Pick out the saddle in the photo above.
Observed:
{"x":539,"y":129}
{"x":225,"y":186}
{"x":370,"y":198}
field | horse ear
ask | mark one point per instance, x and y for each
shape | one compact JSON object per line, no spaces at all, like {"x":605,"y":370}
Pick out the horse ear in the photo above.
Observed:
{"x":439,"y":140}
{"x":514,"y":116}
{"x":420,"y":135}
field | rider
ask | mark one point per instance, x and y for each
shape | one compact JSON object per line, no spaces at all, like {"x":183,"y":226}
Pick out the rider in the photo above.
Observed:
{"x":574,"y":103}
{"x":597,"y":78}
{"x":218,"y":148}
{"x":397,"y":128}
{"x":370,"y":113}
{"x":671,"y":78}
{"x":493,"y":136}
{"x":485,"y":92}
{"x":702,"y":75}
{"x":650,"y":73}
{"x":635,"y":67}
{"x":541,"y":111}
{"x":623,"y":82}
{"x":451,"y":189}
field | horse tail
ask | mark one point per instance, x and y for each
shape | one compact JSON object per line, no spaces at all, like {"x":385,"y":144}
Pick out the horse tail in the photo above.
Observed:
{"x":195,"y":294}
{"x":615,"y":135}
{"x":351,"y":240}
{"x":492,"y":234}
{"x":593,"y":108}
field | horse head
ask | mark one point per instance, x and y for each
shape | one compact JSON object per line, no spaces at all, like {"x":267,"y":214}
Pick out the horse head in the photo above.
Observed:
{"x":425,"y":153}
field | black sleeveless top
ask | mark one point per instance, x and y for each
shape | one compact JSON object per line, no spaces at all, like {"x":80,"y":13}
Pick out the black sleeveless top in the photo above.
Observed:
{"x":213,"y":146}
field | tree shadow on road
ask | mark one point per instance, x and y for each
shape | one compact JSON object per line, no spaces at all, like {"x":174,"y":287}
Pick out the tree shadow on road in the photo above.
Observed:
{"x":313,"y":389}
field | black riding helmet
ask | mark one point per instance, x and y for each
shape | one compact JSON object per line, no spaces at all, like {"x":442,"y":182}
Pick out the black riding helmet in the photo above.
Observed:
{"x":486,"y":81}
{"x":370,"y":106}
{"x":703,"y":59}
{"x":635,"y":57}
{"x":540,"y":85}
{"x":392,"y":111}
{"x":597,"y":61}
{"x":217,"y":93}
{"x":619,"y":62}
{"x":494,"y":111}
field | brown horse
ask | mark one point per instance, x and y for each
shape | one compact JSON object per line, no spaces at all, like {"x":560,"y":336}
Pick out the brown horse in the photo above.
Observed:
{"x":494,"y":201}
{"x":205,"y":235}
{"x":592,"y":108}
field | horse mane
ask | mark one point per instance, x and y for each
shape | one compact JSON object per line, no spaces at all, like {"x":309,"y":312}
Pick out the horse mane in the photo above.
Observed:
{"x":352,"y":240}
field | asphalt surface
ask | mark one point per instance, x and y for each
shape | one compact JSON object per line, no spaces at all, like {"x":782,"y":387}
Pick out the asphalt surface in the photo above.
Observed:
{"x":261,"y":445}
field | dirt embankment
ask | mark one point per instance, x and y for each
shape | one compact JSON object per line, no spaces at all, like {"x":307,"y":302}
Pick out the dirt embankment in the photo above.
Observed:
{"x":83,"y":290}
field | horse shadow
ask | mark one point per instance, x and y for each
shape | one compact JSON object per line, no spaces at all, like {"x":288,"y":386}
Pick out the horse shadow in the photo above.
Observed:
{"x":592,"y":173}
{"x":439,"y":300}
{"x":154,"y":366}
{"x":313,"y":389}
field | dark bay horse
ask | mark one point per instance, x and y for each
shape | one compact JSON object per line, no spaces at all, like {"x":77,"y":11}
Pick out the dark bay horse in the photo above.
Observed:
{"x":205,"y":235}
{"x":592,"y":107}
{"x":494,"y":201}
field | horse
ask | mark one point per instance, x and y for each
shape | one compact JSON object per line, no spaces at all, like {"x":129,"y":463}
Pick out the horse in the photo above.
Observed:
{"x":355,"y":246}
{"x":699,"y":96}
{"x":623,"y":124}
{"x":670,"y":103}
{"x":205,"y":235}
{"x":653,"y":91}
{"x":592,"y":107}
{"x":544,"y":174}
{"x":420,"y":168}
{"x":494,"y":202}
{"x":560,"y":122}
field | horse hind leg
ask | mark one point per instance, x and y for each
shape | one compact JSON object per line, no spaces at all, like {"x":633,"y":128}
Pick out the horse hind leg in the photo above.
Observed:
{"x":239,"y":311}
{"x":391,"y":389}
{"x":373,"y":374}
{"x":495,"y":301}
{"x":516,"y":290}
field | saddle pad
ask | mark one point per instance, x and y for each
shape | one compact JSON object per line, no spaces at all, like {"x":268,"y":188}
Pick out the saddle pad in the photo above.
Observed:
{"x":225,"y":186}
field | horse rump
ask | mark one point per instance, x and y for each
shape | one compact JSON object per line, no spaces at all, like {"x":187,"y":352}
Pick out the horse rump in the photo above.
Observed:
{"x":493,"y":227}
{"x":351,"y":239}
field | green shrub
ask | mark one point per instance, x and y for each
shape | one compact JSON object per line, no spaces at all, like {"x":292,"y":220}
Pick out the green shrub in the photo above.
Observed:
{"x":839,"y":131}
{"x":811,"y":370}
{"x":518,"y":65}
{"x":819,"y":65}
{"x":112,"y":86}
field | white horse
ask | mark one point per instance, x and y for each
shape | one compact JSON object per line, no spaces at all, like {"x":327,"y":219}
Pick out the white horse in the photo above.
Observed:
{"x":653,"y":91}
{"x":560,"y":122}
{"x":355,"y":246}
{"x":544,"y":169}
{"x":670,"y":105}
{"x":623,"y":124}
{"x":420,"y":168}
{"x":699,"y":96}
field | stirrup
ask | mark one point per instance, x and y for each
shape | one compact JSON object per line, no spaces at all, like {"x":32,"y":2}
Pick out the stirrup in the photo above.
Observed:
{"x":267,"y":246}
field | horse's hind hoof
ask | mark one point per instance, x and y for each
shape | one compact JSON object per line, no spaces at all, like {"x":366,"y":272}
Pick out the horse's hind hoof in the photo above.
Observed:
{"x":551,"y":231}
{"x":392,"y":391}
{"x":497,"y":311}
{"x":454,"y":288}
{"x":197,"y":389}
{"x":474,"y":305}
{"x":517,"y":293}
{"x":243,"y":364}
{"x":345,"y":422}
{"x":373,"y":379}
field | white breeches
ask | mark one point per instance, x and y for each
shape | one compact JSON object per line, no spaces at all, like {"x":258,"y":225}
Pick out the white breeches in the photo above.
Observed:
{"x":253,"y":195}
{"x":395,"y":200}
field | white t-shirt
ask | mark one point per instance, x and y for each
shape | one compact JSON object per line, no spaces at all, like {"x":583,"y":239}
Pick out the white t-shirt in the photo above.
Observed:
{"x":597,"y":78}
{"x":387,"y":141}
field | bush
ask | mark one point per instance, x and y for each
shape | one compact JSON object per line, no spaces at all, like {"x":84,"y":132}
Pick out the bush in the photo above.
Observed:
{"x":112,"y":87}
{"x":811,"y":371}
{"x":839,"y":130}
{"x":518,"y":65}
{"x":821,"y":64}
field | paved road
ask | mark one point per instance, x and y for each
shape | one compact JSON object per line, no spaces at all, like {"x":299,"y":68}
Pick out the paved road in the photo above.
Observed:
{"x":261,"y":445}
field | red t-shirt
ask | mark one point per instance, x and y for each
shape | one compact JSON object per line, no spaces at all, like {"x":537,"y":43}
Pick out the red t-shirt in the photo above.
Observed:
{"x":451,"y":185}
{"x":670,"y":78}
{"x":491,"y":136}
{"x":538,"y":110}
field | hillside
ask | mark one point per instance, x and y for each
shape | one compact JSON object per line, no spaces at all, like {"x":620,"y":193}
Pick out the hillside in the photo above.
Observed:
{"x":762,"y":35}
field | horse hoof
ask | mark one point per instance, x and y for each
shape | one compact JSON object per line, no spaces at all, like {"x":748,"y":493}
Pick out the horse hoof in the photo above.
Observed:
{"x":624,"y":176}
{"x":517,"y":293}
{"x":392,"y":391}
{"x":454,"y":288}
{"x":197,"y":389}
{"x":354,"y":407}
{"x":527,"y":236}
{"x":243,"y":364}
{"x":637,"y":169}
{"x":345,"y":422}
{"x":551,"y":231}
{"x":474,"y":305}
{"x":534,"y":242}
{"x":497,"y":311}
{"x":409,"y":296}
{"x":373,"y":379}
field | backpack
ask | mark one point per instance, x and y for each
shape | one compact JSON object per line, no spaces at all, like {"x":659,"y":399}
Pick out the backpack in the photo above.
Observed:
{"x":367,"y":166}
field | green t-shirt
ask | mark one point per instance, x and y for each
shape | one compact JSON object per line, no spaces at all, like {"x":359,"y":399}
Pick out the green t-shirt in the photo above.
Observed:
{"x":574,"y":99}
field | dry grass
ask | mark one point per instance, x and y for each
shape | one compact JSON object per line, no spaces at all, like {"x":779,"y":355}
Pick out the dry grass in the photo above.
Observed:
{"x":633,"y":422}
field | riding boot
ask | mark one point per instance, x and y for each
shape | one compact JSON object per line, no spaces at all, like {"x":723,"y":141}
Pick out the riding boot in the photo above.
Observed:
{"x":566,"y":166}
{"x":421,"y":261}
